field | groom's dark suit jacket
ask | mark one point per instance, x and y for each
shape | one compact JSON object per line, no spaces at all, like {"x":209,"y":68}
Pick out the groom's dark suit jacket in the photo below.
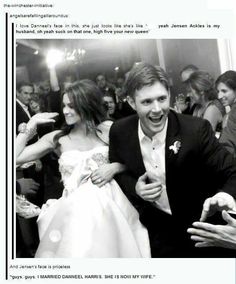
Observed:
{"x":199,"y":169}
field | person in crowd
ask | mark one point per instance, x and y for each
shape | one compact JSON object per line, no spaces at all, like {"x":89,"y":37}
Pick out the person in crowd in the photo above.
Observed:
{"x":206,"y":234}
{"x":54,"y":96}
{"x":24,"y":92}
{"x":209,"y":235}
{"x":104,"y":86}
{"x":111,"y":106}
{"x":183,"y":103}
{"x":37,"y":104}
{"x":93,"y":218}
{"x":27,"y":172}
{"x":49,"y":91}
{"x":187,"y":71}
{"x":26,"y":187}
{"x":202,"y":92}
{"x":174,"y":165}
{"x":120,"y":82}
{"x":226,"y":88}
{"x":122,"y":105}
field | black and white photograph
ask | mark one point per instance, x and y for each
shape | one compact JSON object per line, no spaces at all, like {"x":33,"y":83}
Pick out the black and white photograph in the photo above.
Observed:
{"x":125,"y":149}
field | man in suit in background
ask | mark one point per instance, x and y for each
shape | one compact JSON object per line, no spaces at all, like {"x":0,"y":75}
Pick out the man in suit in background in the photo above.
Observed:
{"x":174,"y":165}
{"x":24,"y":92}
{"x":27,"y":179}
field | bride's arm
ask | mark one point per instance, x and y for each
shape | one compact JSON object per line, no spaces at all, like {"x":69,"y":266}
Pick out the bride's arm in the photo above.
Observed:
{"x":105,"y":173}
{"x":40,"y":148}
{"x":34,"y":151}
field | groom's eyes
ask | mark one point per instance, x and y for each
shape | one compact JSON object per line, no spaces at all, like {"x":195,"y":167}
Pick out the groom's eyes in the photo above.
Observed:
{"x":146,"y":102}
{"x":162,"y":98}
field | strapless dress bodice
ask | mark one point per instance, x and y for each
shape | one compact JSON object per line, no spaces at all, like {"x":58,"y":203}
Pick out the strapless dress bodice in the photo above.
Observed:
{"x":88,"y":160}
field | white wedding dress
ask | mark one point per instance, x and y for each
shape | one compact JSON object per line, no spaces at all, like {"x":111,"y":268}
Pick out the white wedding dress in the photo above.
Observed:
{"x":88,"y":221}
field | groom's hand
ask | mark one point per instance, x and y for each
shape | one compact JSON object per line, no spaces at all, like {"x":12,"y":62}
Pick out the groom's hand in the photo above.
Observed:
{"x":148,"y":191}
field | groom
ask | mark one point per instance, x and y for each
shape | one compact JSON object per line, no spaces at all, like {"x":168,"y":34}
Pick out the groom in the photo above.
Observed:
{"x":174,"y":165}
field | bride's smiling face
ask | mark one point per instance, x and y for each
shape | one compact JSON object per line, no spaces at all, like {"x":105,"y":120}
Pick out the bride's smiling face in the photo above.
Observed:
{"x":71,"y":116}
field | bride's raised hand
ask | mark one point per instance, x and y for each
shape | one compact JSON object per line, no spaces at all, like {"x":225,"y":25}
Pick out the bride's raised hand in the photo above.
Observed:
{"x":30,"y":129}
{"x":43,"y":117}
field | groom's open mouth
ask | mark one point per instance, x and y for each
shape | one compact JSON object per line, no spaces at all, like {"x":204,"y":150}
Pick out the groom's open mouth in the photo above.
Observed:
{"x":156,"y":119}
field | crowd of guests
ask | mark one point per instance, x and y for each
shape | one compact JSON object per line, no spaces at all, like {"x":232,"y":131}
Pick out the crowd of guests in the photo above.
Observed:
{"x":143,"y":125}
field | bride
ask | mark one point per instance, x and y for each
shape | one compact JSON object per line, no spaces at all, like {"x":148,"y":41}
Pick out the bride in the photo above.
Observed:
{"x":93,"y":218}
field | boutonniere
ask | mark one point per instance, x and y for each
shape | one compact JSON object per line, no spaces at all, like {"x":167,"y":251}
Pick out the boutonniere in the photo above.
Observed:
{"x":175,"y":147}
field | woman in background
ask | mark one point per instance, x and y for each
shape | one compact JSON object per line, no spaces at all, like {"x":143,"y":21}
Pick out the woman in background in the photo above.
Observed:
{"x":205,"y":234}
{"x":226,"y":88}
{"x":202,"y":92}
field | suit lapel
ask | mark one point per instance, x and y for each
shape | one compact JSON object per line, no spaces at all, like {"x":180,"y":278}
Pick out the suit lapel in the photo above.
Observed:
{"x":172,"y":136}
{"x":134,"y":155}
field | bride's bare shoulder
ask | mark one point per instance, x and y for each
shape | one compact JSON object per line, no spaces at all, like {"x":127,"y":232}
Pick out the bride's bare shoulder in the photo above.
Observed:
{"x":49,"y":137}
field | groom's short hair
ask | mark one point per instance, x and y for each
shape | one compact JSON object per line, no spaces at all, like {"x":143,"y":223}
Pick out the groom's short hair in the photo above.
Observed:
{"x":144,"y":74}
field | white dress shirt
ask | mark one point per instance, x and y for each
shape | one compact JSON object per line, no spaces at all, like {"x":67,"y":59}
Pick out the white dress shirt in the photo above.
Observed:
{"x":153,"y":153}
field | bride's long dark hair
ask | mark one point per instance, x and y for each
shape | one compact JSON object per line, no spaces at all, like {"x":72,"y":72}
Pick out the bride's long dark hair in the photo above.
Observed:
{"x":86,"y":99}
